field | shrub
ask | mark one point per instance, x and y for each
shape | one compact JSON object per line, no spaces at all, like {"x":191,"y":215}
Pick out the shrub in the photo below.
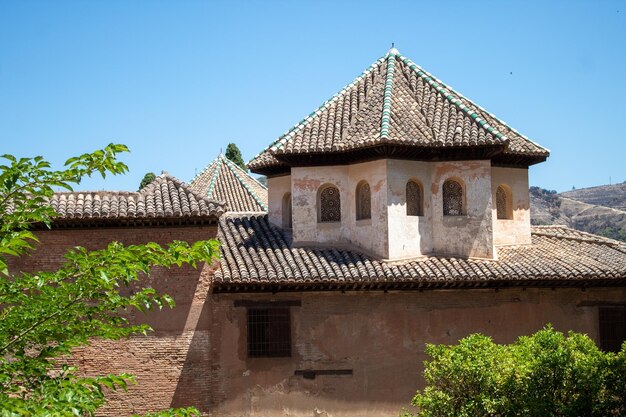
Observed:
{"x":546,"y":374}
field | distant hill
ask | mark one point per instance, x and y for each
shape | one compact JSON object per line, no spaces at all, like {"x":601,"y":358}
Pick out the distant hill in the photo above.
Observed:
{"x":581,"y":209}
{"x":613,"y":196}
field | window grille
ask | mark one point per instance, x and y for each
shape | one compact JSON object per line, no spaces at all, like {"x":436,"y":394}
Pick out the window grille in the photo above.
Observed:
{"x":452,"y":198}
{"x":330,"y":205}
{"x":363,"y":201}
{"x":502,"y":203}
{"x":287,"y":215}
{"x":269,"y":332}
{"x":414,"y":205}
{"x":612,"y":328}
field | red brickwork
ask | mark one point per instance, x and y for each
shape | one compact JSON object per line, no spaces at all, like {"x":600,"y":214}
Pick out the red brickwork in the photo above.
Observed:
{"x":172,"y":363}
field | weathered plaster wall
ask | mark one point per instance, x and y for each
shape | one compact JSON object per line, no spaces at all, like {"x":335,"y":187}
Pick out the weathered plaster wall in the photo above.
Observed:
{"x":380,"y":337}
{"x":409,"y":236}
{"x":172,"y":364}
{"x":276,"y":189}
{"x":515,"y":231}
{"x":470,"y":235}
{"x":370,"y":235}
{"x":390,"y":233}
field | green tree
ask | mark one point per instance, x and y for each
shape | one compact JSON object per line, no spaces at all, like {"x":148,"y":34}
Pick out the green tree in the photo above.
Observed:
{"x":44,"y":315}
{"x":147,"y":179}
{"x":234,"y":154}
{"x":546,"y":374}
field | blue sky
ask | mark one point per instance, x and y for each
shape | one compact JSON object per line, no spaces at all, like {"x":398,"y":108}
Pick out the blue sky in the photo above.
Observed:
{"x":176,"y":81}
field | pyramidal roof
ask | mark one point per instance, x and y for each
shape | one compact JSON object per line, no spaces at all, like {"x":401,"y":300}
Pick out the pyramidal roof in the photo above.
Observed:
{"x":396,"y":108}
{"x":223,"y":180}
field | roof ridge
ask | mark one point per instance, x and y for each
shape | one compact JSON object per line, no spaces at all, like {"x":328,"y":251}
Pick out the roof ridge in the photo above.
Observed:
{"x":182,"y":184}
{"x":234,"y":165}
{"x":125,"y":192}
{"x":386,"y":117}
{"x":287,"y":135}
{"x":242,"y":182}
{"x":215,"y":174}
{"x":449,"y":93}
{"x":204,"y":169}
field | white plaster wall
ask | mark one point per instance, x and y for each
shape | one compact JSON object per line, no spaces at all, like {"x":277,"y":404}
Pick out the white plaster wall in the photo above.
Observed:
{"x":409,"y":236}
{"x":276,"y":189}
{"x":305,"y":183}
{"x":390,"y":233}
{"x":470,"y":235}
{"x":370,"y":235}
{"x":517,"y":230}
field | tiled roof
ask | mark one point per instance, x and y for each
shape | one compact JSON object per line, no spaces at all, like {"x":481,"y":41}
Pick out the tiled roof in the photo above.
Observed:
{"x":257,"y":256}
{"x":396,"y":102}
{"x":223,"y":180}
{"x":165,"y":197}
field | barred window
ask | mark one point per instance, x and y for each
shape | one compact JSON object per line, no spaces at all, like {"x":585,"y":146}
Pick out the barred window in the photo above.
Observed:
{"x":287,"y":219}
{"x":453,"y":198}
{"x":612,"y":328}
{"x":269,"y":332}
{"x":363,"y":201}
{"x":503,"y":203}
{"x":329,"y":203}
{"x":414,"y":197}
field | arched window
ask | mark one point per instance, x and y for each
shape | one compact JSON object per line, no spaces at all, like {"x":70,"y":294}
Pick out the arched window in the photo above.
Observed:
{"x":329,"y":204}
{"x":363,"y":201}
{"x":453,"y":204}
{"x":414,"y":199}
{"x":287,"y":220}
{"x":504,"y":206}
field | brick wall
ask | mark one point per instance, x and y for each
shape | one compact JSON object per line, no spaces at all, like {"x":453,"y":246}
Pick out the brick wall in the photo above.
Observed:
{"x":172,"y":363}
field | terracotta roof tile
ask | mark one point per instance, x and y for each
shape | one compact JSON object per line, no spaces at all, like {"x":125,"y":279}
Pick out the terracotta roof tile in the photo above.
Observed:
{"x":223,"y":180}
{"x":395,"y":101}
{"x":257,"y":255}
{"x":165,"y":197}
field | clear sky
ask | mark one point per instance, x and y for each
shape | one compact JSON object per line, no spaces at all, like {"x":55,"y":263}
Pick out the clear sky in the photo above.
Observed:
{"x":176,"y":81}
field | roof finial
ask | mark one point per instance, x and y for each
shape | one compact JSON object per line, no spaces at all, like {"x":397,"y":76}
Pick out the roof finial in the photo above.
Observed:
{"x":393,"y":50}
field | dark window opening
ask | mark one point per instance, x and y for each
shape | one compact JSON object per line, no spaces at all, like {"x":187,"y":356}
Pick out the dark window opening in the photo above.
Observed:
{"x":414,"y":199}
{"x":363,"y":201}
{"x":453,"y":204}
{"x":287,"y":216}
{"x":329,"y":204}
{"x":612,"y":328}
{"x":269,"y":332}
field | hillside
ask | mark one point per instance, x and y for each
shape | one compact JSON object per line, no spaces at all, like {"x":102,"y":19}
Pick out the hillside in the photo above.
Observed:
{"x":604,"y":195}
{"x":577,"y":209}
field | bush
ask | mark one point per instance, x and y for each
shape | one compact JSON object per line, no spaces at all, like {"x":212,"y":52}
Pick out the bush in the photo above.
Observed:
{"x":546,"y":374}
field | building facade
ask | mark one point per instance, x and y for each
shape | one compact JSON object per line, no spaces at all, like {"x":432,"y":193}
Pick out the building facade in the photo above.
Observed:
{"x":396,"y":214}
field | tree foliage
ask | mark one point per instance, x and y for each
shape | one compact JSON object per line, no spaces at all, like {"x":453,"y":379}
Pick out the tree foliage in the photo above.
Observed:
{"x":234,"y":154}
{"x":147,"y":179}
{"x":546,"y":374}
{"x":44,"y":315}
